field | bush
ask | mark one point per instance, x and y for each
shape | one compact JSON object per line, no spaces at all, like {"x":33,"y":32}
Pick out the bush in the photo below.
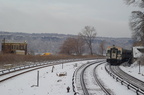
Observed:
{"x":17,"y":60}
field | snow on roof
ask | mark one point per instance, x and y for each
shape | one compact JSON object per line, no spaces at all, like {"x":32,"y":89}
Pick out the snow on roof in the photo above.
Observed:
{"x":138,"y":51}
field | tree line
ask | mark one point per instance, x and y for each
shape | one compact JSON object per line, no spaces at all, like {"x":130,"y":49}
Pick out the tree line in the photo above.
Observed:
{"x":76,"y":45}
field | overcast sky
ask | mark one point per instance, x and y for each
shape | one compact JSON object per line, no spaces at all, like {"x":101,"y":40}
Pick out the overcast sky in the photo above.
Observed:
{"x":109,"y":17}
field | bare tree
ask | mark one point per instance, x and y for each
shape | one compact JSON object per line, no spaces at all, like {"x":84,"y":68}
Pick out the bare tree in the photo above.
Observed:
{"x":139,"y":3}
{"x":102,"y":47}
{"x":66,"y":47}
{"x":137,"y":25}
{"x":137,"y":21}
{"x":72,"y":46}
{"x":78,"y":45}
{"x":88,"y":34}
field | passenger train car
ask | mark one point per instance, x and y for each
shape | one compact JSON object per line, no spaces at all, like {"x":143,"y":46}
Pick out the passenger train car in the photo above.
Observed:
{"x":117,"y":55}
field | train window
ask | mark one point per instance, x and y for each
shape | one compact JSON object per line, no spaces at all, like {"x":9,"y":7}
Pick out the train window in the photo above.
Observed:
{"x":113,"y":51}
{"x":108,"y":51}
{"x":119,"y":52}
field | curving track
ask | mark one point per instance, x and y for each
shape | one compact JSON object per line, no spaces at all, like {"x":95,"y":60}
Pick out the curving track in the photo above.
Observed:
{"x":107,"y":92}
{"x":126,"y":79}
{"x":20,"y":72}
{"x":8,"y":74}
{"x":85,"y":86}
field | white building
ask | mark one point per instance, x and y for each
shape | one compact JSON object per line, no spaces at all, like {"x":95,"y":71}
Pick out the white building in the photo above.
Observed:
{"x":138,"y":51}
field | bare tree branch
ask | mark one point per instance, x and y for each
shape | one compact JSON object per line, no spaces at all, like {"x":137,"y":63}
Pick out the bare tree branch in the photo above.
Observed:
{"x":88,"y":34}
{"x":128,"y":2}
{"x":137,"y":26}
{"x":72,"y":46}
{"x":139,"y":3}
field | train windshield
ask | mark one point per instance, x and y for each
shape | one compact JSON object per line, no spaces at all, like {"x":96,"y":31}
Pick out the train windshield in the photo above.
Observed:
{"x":114,"y":51}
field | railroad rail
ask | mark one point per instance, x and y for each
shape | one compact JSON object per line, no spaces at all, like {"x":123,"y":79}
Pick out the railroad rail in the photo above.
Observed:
{"x":85,"y":91}
{"x":82,"y":70}
{"x":13,"y":69}
{"x":99,"y":83}
{"x":126,"y":79}
{"x":13,"y":72}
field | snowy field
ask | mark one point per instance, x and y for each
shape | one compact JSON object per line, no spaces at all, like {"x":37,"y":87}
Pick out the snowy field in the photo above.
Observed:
{"x":50,"y":83}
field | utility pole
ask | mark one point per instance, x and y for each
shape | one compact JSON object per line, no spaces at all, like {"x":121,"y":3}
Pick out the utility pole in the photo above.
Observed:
{"x":37,"y":78}
{"x":62,"y":65}
{"x":139,"y":66}
{"x":52,"y":69}
{"x":3,"y":48}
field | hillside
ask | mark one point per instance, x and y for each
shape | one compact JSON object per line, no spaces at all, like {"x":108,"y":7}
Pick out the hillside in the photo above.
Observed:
{"x":50,"y":42}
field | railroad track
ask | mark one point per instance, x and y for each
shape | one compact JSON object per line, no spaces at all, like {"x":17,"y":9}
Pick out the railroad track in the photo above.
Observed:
{"x":13,"y":72}
{"x":126,"y":79}
{"x":98,"y":81}
{"x":83,"y":86}
{"x":17,"y":73}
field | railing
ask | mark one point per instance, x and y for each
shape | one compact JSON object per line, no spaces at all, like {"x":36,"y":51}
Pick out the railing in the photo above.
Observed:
{"x":126,"y":83}
{"x":74,"y":84}
{"x":13,"y":69}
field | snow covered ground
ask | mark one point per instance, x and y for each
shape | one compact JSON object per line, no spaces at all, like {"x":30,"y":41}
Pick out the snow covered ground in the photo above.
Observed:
{"x":134,"y":70}
{"x":50,"y":83}
{"x":111,"y":84}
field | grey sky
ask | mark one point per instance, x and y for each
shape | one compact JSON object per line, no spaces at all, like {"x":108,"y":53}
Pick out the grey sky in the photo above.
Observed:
{"x":109,"y":17}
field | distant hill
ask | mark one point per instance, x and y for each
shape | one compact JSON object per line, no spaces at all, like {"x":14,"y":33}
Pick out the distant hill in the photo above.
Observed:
{"x":51,"y":42}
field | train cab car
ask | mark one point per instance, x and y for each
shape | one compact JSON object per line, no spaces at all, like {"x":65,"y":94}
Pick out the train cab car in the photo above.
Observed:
{"x":114,"y":54}
{"x":117,"y":55}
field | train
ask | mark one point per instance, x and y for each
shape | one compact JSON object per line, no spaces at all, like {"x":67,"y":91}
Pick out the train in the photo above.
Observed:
{"x":117,"y":55}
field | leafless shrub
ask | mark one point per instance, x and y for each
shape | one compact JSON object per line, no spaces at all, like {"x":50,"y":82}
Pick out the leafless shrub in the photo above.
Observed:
{"x":102,"y":47}
{"x":72,"y":46}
